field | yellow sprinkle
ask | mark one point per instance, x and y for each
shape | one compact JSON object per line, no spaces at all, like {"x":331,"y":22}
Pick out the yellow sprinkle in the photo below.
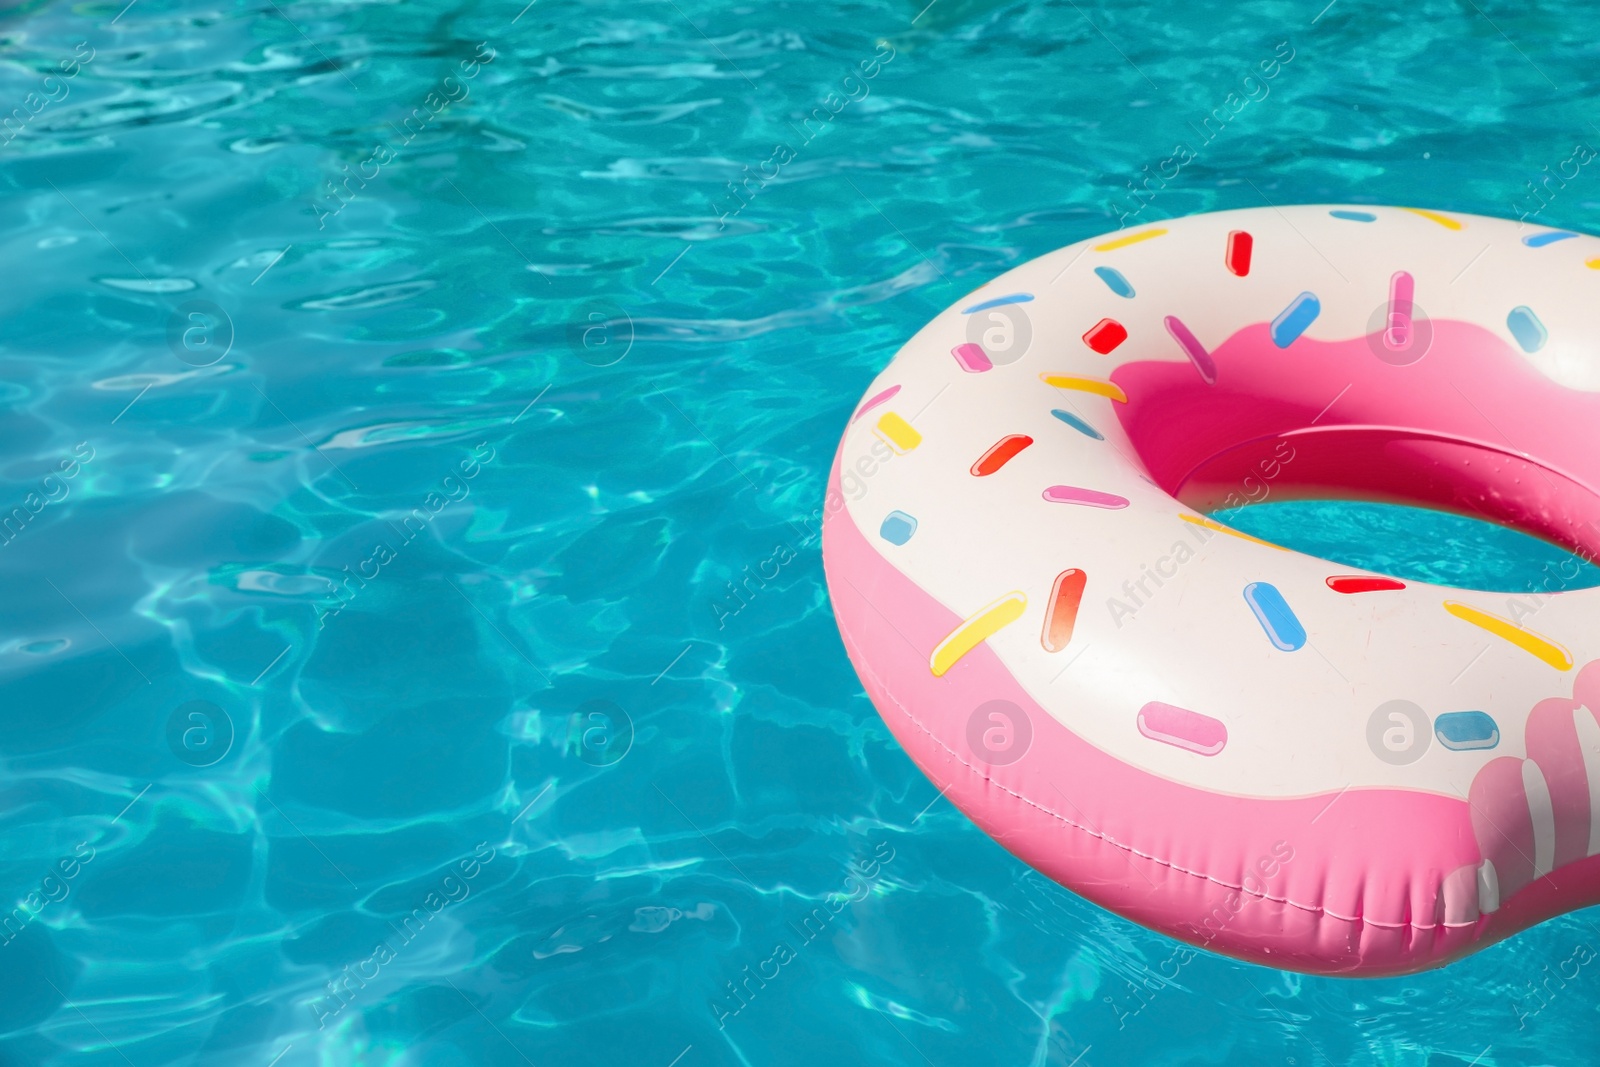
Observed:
{"x":898,"y":433}
{"x":1086,"y":385}
{"x":1443,"y":220}
{"x":976,"y":630}
{"x":1219,"y":528}
{"x":1525,"y":639}
{"x":1131,"y":239}
{"x":1592,"y":264}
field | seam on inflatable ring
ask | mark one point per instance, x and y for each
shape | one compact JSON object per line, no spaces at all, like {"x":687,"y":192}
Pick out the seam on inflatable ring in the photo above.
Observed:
{"x":1312,"y":908}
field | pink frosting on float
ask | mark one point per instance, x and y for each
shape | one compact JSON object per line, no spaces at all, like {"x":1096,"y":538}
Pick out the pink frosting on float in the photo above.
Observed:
{"x":1362,"y":428}
{"x":1502,"y":821}
{"x":1542,"y":879}
{"x":1553,"y":745}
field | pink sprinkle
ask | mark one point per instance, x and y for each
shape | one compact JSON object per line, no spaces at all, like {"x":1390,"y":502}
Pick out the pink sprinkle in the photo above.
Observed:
{"x":1402,"y":287}
{"x":1067,"y":494}
{"x":1193,"y":349}
{"x":875,"y":401}
{"x":972,"y":358}
{"x":1184,"y":728}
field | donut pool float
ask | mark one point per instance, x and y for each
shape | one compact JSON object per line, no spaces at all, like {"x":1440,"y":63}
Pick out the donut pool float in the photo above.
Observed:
{"x":1250,"y":749}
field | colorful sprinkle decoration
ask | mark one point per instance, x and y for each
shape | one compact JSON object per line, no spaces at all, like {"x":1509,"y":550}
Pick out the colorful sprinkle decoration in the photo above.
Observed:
{"x":1363,"y":583}
{"x":877,"y":399}
{"x":975,"y":630}
{"x":999,"y":301}
{"x":1131,"y":239}
{"x":1433,"y":216}
{"x":1294,"y":320}
{"x":1277,"y":619}
{"x":1533,"y":643}
{"x":1067,"y":494}
{"x":972,"y":358}
{"x":1000,"y":453}
{"x":1526,"y":329}
{"x":1115,"y":281}
{"x":1077,"y":424}
{"x":1185,"y":729}
{"x":1110,"y":390}
{"x":1105,"y":335}
{"x":1466,"y":731}
{"x":1237,"y":258}
{"x":897,"y":527}
{"x":1397,"y":331}
{"x":1062,"y":614}
{"x":1193,"y":349}
{"x":897,"y":433}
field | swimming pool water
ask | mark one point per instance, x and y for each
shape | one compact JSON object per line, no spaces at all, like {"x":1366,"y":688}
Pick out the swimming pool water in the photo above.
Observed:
{"x":393,"y":394}
{"x":1416,"y":544}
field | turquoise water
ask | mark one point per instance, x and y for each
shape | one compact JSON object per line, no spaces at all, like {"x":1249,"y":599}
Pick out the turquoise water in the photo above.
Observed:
{"x":391,"y":393}
{"x":1415,"y":544}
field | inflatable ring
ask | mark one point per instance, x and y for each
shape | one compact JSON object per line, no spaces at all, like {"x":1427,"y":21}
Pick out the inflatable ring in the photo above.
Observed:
{"x":1247,"y":748}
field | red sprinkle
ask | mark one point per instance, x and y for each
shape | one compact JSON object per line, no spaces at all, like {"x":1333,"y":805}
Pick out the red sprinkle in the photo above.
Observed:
{"x":1062,"y":613}
{"x":1362,"y":583}
{"x":1105,"y":335}
{"x":1240,"y":244}
{"x":1003,"y":451}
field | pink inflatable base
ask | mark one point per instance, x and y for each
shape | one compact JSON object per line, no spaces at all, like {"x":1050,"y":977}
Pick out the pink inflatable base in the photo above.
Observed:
{"x":1368,"y":882}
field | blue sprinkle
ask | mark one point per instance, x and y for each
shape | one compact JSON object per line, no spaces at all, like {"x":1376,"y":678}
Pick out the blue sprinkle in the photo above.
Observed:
{"x":897,"y":528}
{"x":1464,"y":731}
{"x":1294,"y":319}
{"x":1115,"y":281}
{"x":1527,"y":329}
{"x":999,"y":301}
{"x":1355,"y":216}
{"x":1275,"y":616}
{"x":1550,"y":237}
{"x":1077,"y":424}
